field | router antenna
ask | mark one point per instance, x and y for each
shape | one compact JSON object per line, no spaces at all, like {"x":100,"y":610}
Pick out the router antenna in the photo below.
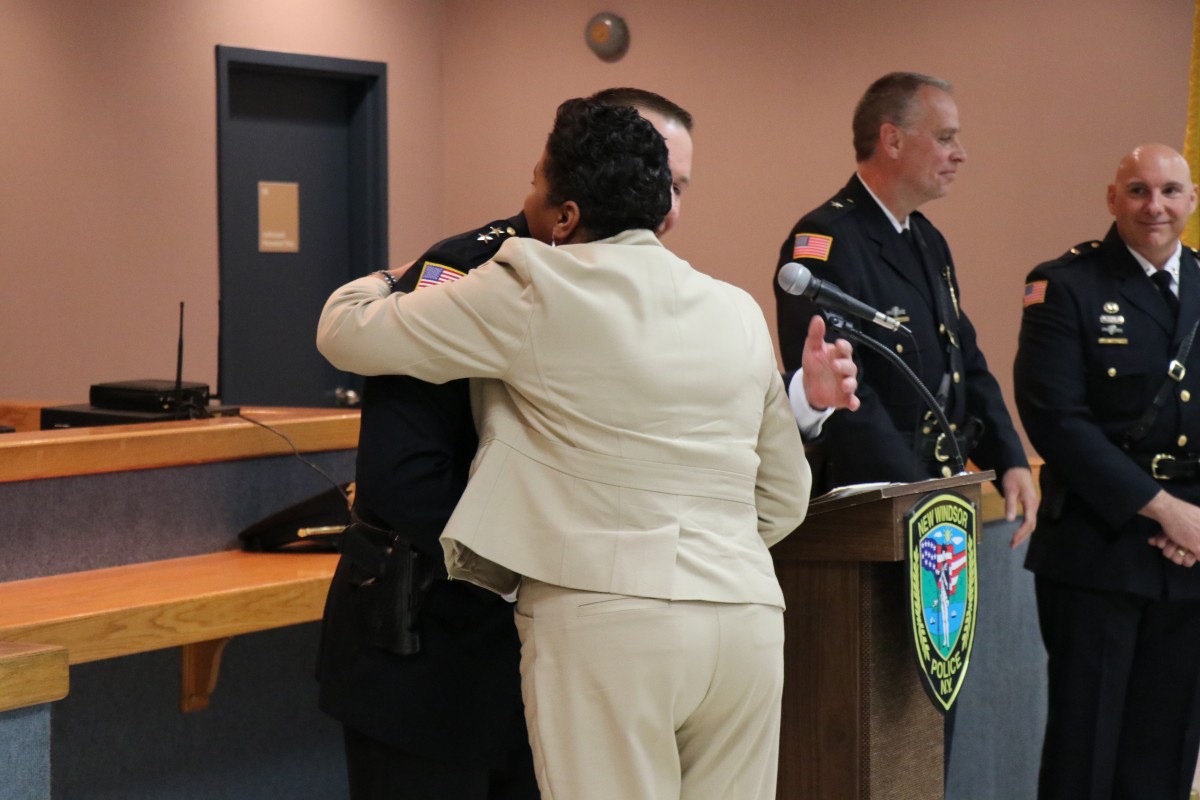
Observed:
{"x":179,"y":359}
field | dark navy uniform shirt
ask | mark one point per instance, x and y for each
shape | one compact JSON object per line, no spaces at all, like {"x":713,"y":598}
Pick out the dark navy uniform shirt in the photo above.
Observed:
{"x":1096,"y":340}
{"x":850,"y":242}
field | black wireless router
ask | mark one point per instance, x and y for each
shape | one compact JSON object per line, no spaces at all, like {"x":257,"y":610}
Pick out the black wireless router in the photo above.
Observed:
{"x":148,"y":395}
{"x":124,"y":402}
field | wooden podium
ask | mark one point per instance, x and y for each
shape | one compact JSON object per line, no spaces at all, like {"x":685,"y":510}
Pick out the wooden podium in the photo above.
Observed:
{"x":857,"y":722}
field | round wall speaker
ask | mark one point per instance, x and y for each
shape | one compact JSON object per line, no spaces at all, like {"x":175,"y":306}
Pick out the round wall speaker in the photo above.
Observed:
{"x":607,"y":35}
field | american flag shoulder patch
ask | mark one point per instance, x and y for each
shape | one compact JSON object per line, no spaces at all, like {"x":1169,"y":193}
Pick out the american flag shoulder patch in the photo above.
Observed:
{"x":1035,"y":292}
{"x":812,"y":245}
{"x":433,"y":274}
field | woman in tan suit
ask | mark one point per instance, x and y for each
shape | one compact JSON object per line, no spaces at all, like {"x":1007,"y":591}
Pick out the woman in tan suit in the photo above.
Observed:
{"x":637,"y":457}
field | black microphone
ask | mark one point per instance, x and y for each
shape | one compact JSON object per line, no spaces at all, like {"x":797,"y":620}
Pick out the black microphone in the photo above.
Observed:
{"x":796,"y":279}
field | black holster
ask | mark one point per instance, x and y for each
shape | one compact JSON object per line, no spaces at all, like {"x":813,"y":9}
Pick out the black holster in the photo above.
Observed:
{"x":391,"y":578}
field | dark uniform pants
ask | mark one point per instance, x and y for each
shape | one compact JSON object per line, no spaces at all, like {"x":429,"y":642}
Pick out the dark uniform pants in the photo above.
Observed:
{"x":1124,"y":686}
{"x":380,"y":772}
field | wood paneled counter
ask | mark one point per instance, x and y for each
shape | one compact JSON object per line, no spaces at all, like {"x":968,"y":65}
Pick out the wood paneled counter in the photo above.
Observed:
{"x":34,"y":454}
{"x":122,"y":539}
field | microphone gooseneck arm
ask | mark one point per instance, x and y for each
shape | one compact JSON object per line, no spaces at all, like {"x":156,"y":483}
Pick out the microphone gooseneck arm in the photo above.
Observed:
{"x":844,"y":326}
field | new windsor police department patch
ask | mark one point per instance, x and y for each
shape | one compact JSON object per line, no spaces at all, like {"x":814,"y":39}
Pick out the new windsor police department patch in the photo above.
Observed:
{"x":942,"y":591}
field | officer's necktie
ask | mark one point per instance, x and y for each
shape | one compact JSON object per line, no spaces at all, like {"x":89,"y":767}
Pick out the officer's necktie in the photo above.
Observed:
{"x":939,"y":287}
{"x":930,"y":276}
{"x":1162,"y":279}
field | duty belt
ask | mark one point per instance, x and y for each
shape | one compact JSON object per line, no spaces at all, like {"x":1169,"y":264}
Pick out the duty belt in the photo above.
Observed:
{"x":933,"y":450}
{"x":1168,"y":467}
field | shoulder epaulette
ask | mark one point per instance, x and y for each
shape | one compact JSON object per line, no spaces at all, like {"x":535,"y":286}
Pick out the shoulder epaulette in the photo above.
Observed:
{"x":452,"y":258}
{"x":496,"y":232}
{"x":841,"y":203}
{"x":1080,"y":249}
{"x":471,"y":248}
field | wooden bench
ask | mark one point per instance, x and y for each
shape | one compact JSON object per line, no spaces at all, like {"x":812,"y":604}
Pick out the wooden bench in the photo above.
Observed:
{"x":196,"y":603}
{"x":31,"y":674}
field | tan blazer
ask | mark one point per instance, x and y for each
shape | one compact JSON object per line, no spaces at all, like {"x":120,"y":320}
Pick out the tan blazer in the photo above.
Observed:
{"x":634,"y":433}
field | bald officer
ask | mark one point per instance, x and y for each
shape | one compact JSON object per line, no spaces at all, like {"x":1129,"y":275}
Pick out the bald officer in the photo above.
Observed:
{"x":1107,"y":388}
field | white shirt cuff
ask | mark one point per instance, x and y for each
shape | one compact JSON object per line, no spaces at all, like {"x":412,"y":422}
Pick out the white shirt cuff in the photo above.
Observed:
{"x":809,"y":420}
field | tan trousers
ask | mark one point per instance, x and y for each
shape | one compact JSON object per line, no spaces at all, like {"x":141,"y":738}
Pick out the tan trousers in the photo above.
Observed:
{"x":632,"y":698}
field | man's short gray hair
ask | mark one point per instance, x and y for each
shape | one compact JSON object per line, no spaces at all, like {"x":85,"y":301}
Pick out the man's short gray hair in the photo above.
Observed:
{"x":889,"y":99}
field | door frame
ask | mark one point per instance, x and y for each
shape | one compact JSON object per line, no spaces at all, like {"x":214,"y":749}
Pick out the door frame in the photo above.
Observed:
{"x":368,"y":202}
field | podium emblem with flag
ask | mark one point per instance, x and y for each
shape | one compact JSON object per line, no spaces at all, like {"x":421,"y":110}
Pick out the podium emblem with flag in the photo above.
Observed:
{"x":943,"y":592}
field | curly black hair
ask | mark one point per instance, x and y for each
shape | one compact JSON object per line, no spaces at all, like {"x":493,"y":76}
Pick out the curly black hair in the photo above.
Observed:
{"x":612,"y":163}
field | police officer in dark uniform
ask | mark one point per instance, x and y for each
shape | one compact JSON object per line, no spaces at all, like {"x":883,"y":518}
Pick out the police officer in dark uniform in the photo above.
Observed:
{"x":1108,"y":388}
{"x":871,"y":241}
{"x":421,"y":671}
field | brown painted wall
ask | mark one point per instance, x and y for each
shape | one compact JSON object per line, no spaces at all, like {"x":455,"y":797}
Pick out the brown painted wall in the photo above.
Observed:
{"x":1050,"y":94}
{"x":108,"y":149}
{"x":108,"y":168}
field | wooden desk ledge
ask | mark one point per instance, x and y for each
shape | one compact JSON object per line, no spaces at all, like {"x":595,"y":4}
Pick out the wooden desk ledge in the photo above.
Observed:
{"x":36,"y":455}
{"x":196,"y":603}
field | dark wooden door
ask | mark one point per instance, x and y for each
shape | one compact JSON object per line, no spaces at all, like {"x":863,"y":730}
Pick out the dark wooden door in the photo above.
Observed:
{"x":318,"y":123}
